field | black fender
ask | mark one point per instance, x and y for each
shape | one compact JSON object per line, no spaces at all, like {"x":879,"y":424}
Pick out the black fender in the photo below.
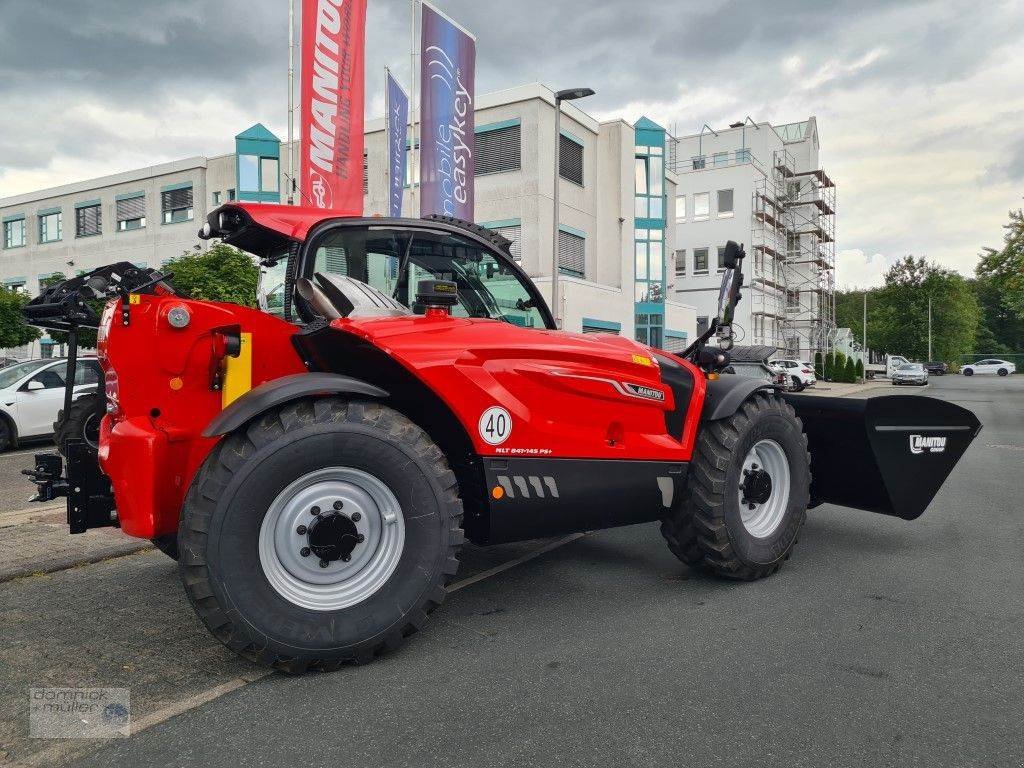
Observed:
{"x":280,"y":391}
{"x":727,"y":393}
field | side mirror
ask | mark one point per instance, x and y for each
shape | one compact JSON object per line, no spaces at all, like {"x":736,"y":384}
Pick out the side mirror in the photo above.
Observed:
{"x":733,"y":255}
{"x":34,"y":386}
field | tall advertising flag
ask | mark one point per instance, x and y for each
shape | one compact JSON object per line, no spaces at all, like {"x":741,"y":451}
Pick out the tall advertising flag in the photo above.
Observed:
{"x":447,"y":146}
{"x":333,"y":48}
{"x":397,"y":108}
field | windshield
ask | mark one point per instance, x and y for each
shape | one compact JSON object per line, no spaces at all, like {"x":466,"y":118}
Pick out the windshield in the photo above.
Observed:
{"x":14,"y":373}
{"x":912,"y":368}
{"x":393,"y":260}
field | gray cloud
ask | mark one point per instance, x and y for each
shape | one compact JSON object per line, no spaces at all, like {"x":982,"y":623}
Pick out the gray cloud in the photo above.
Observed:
{"x":95,"y":86}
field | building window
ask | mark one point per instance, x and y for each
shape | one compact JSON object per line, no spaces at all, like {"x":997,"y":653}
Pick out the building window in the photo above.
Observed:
{"x":571,"y":253}
{"x":270,"y":180}
{"x":176,"y":205}
{"x":681,"y":263}
{"x":16,"y":284}
{"x":51,"y":226}
{"x":14,"y":233}
{"x":216,"y":198}
{"x":131,"y":213}
{"x":649,"y":329}
{"x":231,"y":195}
{"x":681,"y":208}
{"x":742,"y":155}
{"x":792,"y":299}
{"x":88,"y":220}
{"x":721,"y":158}
{"x":248,"y":173}
{"x":701,"y":206}
{"x":640,"y":176}
{"x":700,"y":261}
{"x":366,"y":173}
{"x":498,"y":150}
{"x":570,"y":160}
{"x":725,"y":209}
{"x":721,"y":258}
{"x":258,"y":174}
{"x":513,"y":233}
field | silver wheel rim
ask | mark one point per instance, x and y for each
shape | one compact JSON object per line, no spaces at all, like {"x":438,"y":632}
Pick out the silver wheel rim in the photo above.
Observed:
{"x":762,"y":518}
{"x":369,"y":508}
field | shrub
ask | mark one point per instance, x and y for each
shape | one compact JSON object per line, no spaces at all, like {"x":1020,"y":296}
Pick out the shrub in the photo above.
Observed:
{"x":859,"y":370}
{"x":850,"y":371}
{"x":819,"y":367}
{"x":828,"y":368}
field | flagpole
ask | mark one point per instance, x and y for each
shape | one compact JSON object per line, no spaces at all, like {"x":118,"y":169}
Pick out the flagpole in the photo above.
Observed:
{"x":291,"y":102}
{"x":414,"y":171}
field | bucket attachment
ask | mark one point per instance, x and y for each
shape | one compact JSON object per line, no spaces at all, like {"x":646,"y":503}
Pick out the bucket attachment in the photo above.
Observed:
{"x":883,"y":454}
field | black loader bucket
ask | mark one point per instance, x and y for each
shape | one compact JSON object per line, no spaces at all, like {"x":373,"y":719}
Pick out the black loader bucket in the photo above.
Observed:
{"x":884,"y":454}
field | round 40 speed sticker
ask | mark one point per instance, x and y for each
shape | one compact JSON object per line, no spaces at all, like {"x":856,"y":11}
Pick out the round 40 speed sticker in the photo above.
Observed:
{"x":495,"y":425}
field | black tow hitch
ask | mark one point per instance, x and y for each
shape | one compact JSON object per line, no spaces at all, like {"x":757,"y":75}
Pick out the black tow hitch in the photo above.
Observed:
{"x":90,"y":496}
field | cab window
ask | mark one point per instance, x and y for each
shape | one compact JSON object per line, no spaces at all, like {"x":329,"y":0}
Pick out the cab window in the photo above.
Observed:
{"x":394,"y":261}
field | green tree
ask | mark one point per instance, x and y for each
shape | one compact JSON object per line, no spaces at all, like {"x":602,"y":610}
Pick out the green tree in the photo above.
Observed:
{"x":829,"y":367}
{"x":819,"y":366}
{"x":839,"y":366}
{"x":898,"y":319}
{"x":858,"y":370}
{"x":14,"y":331}
{"x":221,"y":273}
{"x":850,"y":371}
{"x":1005,"y":267}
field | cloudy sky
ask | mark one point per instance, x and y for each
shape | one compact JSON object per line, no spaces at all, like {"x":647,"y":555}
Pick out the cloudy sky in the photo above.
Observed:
{"x":920,"y":105}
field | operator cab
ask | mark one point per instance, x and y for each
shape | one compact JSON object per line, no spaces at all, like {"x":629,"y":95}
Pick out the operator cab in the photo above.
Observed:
{"x":372,"y":266}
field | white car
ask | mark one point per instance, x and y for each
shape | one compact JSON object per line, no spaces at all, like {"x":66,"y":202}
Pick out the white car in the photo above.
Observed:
{"x":799,"y":375}
{"x":32,"y":393}
{"x":989,"y":365}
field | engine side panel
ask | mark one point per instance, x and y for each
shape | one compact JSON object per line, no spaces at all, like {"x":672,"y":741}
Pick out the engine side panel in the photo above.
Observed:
{"x":565,"y":395}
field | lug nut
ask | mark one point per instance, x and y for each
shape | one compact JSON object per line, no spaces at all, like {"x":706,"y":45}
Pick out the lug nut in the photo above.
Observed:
{"x":339,"y":504}
{"x":360,"y":539}
{"x":304,"y":551}
{"x":356,"y":517}
{"x":301,"y":530}
{"x":315,"y":511}
{"x":346,"y":558}
{"x":324,"y":563}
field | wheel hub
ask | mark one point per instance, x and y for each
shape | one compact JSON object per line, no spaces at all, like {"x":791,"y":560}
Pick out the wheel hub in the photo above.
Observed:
{"x":764,"y":486}
{"x":756,"y":486}
{"x":333,"y":537}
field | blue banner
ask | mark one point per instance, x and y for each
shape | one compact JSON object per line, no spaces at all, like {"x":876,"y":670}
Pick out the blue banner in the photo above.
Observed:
{"x":447,"y":146}
{"x":397,"y":104}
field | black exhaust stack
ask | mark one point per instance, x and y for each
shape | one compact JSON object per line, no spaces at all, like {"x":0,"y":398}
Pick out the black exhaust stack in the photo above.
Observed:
{"x":883,"y":454}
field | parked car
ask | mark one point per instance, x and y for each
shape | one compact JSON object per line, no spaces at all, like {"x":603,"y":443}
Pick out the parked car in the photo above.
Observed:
{"x":911,"y":373}
{"x":32,"y":393}
{"x":6,"y":361}
{"x":989,"y":365}
{"x":752,"y":362}
{"x":937,"y":368}
{"x":799,"y":375}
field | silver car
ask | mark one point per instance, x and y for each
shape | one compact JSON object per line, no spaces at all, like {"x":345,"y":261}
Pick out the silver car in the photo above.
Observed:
{"x":911,"y":373}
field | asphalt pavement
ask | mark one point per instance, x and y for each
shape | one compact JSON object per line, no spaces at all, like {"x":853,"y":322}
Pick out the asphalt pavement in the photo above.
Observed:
{"x":882,"y":642}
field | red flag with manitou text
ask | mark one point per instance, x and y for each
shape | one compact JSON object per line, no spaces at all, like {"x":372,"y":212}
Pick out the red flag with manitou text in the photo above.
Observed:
{"x":333,"y":57}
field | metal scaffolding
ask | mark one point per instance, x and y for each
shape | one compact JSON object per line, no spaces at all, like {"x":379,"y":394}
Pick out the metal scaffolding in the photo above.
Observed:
{"x":792,"y":284}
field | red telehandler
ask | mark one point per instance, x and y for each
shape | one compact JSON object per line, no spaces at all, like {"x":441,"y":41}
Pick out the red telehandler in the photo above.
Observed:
{"x":316,"y":464}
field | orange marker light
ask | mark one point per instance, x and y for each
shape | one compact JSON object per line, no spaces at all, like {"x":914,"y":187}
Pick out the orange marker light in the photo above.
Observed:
{"x":176,"y":383}
{"x":497,"y":492}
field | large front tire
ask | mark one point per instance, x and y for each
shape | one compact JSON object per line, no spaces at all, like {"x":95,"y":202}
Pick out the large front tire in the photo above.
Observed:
{"x":82,"y":421}
{"x":748,"y":489}
{"x":368,"y":504}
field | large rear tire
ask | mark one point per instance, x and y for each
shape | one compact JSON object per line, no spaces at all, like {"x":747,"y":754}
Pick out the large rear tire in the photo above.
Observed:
{"x":748,"y":489}
{"x":321,"y":533}
{"x":81,"y":421}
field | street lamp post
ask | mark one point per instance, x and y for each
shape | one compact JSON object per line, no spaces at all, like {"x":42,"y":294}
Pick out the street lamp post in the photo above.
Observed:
{"x":569,"y":94}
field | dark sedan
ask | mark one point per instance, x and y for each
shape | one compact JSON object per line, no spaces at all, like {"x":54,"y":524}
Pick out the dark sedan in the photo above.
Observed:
{"x":937,"y":368}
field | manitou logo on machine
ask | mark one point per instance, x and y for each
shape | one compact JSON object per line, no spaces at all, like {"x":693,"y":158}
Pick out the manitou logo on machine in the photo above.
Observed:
{"x":925,"y":444}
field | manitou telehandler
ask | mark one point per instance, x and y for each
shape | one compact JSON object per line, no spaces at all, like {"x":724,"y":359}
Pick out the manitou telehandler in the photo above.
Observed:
{"x":315,"y":464}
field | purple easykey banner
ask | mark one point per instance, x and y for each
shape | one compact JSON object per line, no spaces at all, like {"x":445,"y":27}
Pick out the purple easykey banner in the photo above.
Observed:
{"x":447,"y":146}
{"x":397,"y":105}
